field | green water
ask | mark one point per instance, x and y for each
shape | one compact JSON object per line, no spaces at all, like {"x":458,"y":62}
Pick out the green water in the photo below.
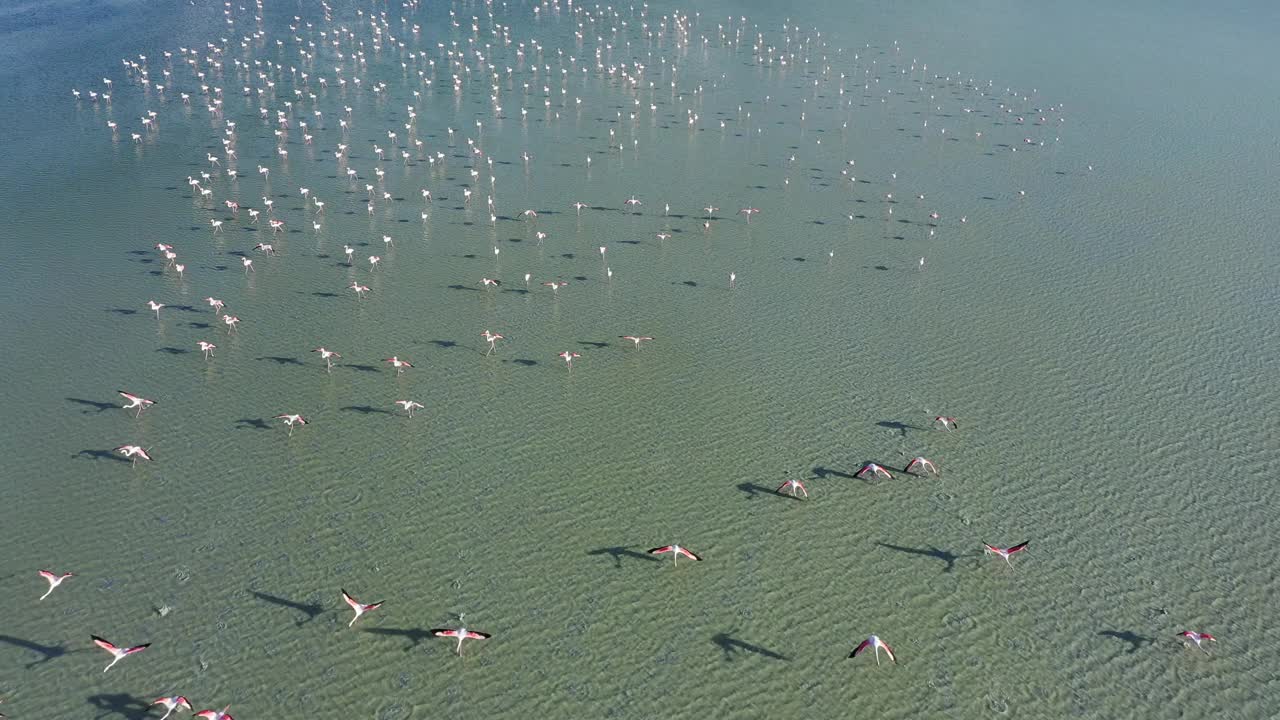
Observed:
{"x":1106,"y":341}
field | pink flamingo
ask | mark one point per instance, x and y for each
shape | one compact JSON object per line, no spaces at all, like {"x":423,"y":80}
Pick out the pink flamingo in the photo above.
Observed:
{"x":398,"y":364}
{"x":358,"y":607}
{"x":291,"y":419}
{"x":874,"y":470}
{"x":793,"y":485}
{"x":1005,"y":553}
{"x":135,"y":401}
{"x":54,"y":581}
{"x":1197,"y":638}
{"x":117,"y":654}
{"x":924,"y":463}
{"x":568,"y":356}
{"x":877,"y":644}
{"x":676,"y":551}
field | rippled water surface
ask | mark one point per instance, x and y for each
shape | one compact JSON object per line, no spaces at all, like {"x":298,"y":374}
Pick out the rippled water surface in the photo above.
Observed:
{"x":1096,"y":308}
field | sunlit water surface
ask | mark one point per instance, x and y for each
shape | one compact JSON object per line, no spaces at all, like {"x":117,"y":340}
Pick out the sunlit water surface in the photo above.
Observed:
{"x":1107,"y":342}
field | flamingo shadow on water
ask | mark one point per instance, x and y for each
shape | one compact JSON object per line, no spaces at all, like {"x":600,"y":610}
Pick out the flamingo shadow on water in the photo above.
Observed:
{"x":753,"y":490}
{"x":254,"y":423}
{"x":365,"y":410}
{"x":618,"y":552}
{"x":48,"y":652}
{"x":413,"y":635}
{"x":311,"y":610}
{"x":945,"y":556}
{"x":99,"y":406}
{"x":901,"y":427}
{"x":731,"y":646}
{"x":119,"y":704}
{"x":822,"y":473}
{"x":282,"y":360}
{"x":96,"y":454}
{"x":1135,"y":640}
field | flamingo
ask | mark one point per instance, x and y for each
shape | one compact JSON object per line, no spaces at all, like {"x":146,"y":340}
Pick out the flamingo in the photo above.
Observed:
{"x":231,"y":321}
{"x":492,"y":338}
{"x":135,"y":401}
{"x":568,"y":356}
{"x":207,"y":348}
{"x":490,"y":282}
{"x":54,"y":581}
{"x":925,"y":464}
{"x":360,"y":289}
{"x":947,"y":423}
{"x":290,"y":419}
{"x":749,"y":211}
{"x":327,"y":354}
{"x":248,"y":265}
{"x":461,"y":634}
{"x":874,"y":470}
{"x":117,"y":653}
{"x":215,"y":714}
{"x":637,"y":339}
{"x":632,"y":201}
{"x":398,"y":364}
{"x":409,"y":405}
{"x":1197,"y":638}
{"x":793,"y":485}
{"x":155,"y":307}
{"x":134,"y":452}
{"x":578,"y":206}
{"x":676,"y":551}
{"x":877,"y":644}
{"x":171,"y":703}
{"x":1005,"y":553}
{"x":359,"y":607}
{"x":555,"y":285}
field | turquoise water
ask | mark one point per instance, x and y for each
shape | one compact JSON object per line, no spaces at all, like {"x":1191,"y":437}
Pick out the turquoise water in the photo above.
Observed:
{"x":1106,"y":342}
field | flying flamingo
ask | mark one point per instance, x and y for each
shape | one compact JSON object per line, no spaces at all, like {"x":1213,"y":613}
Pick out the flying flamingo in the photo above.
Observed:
{"x":490,"y":282}
{"x":133,"y":452}
{"x":877,"y":644}
{"x":676,"y":551}
{"x":793,"y":485}
{"x":461,"y":634}
{"x":289,"y":419}
{"x":206,"y":348}
{"x":171,"y":703}
{"x":578,"y":206}
{"x":1005,"y":553}
{"x":637,"y":339}
{"x":327,"y":354}
{"x":155,"y":306}
{"x":492,"y":338}
{"x":749,"y":211}
{"x":135,"y":402}
{"x":874,"y":470}
{"x":555,"y":285}
{"x":632,"y":201}
{"x":359,"y":607}
{"x":947,"y":423}
{"x":1191,"y":636}
{"x":54,"y":581}
{"x":360,"y":289}
{"x":117,"y":653}
{"x":398,"y":364}
{"x":568,"y":356}
{"x":215,"y":714}
{"x":409,"y":405}
{"x":925,"y":464}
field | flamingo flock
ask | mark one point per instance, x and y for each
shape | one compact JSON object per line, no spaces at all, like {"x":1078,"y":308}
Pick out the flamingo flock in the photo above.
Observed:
{"x":451,"y":69}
